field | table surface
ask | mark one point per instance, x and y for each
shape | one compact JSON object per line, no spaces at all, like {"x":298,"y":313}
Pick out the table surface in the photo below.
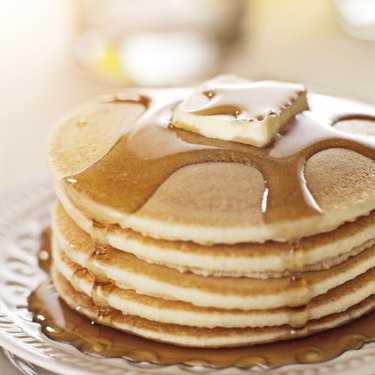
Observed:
{"x":297,"y":41}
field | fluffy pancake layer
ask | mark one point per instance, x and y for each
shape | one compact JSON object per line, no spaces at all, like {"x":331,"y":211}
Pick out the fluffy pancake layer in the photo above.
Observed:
{"x":199,"y":242}
{"x":200,"y":337}
{"x":235,"y":300}
{"x":161,"y":310}
{"x":247,"y":259}
{"x":221,"y":292}
{"x":203,"y":202}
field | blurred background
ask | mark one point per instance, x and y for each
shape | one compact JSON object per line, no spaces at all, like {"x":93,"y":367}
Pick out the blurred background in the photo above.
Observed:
{"x":54,"y":54}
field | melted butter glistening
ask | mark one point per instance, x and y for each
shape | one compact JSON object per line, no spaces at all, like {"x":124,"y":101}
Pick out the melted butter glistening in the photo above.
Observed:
{"x":152,"y":150}
{"x":233,"y":109}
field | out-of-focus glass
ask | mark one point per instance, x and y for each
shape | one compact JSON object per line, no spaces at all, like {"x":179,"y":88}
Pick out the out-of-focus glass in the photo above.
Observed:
{"x":358,"y":17}
{"x":156,"y":42}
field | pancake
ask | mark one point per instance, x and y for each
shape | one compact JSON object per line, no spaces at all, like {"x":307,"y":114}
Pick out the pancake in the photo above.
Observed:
{"x":247,"y":259}
{"x":161,"y":310}
{"x":90,"y":142}
{"x":128,"y":271}
{"x":184,"y":186}
{"x":200,"y":337}
{"x":201,"y":242}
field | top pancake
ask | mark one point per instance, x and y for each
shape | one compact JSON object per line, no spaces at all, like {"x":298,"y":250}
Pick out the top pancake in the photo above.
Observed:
{"x":176,"y":185}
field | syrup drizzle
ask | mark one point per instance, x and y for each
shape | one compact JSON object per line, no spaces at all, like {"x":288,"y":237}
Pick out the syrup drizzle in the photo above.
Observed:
{"x":152,"y":150}
{"x":140,"y":161}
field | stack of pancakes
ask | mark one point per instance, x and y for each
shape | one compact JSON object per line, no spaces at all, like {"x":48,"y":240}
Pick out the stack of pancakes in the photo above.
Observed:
{"x":198,"y":263}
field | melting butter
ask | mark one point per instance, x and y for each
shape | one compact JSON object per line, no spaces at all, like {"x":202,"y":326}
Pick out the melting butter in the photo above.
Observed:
{"x":233,"y":109}
{"x":152,"y":150}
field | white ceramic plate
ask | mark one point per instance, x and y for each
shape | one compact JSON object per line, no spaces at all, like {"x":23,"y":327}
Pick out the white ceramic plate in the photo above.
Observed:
{"x":24,"y":213}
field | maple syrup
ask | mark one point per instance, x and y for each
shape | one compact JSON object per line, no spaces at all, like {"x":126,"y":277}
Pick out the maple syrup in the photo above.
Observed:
{"x":138,"y":154}
{"x":61,"y":323}
{"x":152,"y":150}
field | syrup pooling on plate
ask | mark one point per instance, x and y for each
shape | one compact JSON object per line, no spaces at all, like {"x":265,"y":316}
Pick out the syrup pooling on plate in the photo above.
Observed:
{"x":44,"y":253}
{"x":152,"y":150}
{"x":61,"y":323}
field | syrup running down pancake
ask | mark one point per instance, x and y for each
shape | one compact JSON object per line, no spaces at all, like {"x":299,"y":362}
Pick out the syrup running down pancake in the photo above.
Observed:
{"x":202,"y":241}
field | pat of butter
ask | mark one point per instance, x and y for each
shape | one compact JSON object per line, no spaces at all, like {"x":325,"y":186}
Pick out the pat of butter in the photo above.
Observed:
{"x":234,"y":109}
